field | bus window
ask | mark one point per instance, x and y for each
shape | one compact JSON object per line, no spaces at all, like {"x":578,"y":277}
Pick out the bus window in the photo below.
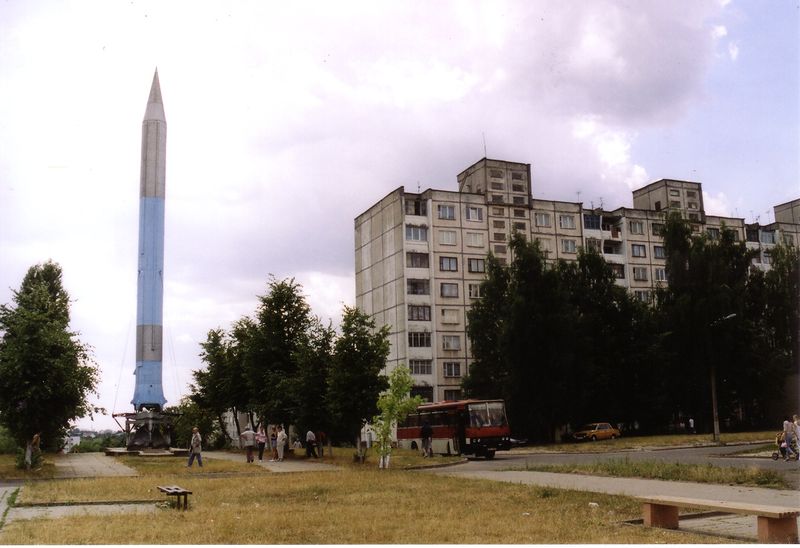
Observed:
{"x":478,"y":415}
{"x":497,"y":414}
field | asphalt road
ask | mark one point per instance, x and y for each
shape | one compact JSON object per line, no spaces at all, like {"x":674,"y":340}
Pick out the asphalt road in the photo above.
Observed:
{"x":718,"y":456}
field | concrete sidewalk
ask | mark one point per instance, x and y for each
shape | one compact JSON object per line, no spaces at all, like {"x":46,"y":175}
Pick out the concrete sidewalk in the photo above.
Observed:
{"x":90,"y":465}
{"x":733,"y":526}
{"x":287,"y":465}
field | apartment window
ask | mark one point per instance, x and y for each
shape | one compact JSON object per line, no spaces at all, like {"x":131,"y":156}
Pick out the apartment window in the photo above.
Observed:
{"x":640,"y":273}
{"x":520,"y":226}
{"x":674,"y":203}
{"x":416,"y":233}
{"x":517,"y":187}
{"x":475,"y":239}
{"x":658,"y":252}
{"x":518,"y":200}
{"x":674,"y":192}
{"x":500,"y":249}
{"x":419,"y":339}
{"x":476,"y":265}
{"x":419,"y":313}
{"x":591,"y":221}
{"x":474,"y":213}
{"x":691,"y":194}
{"x":618,"y":270}
{"x":642,"y":295}
{"x":691,"y":205}
{"x":568,"y":246}
{"x":451,"y":342}
{"x":420,"y":367}
{"x":417,"y":260}
{"x":657,"y":229}
{"x":418,"y":287}
{"x":497,"y":186}
{"x":566,"y":221}
{"x":496,"y":173}
{"x":519,"y":213}
{"x":450,"y":316}
{"x":474,"y":291}
{"x":638,"y":250}
{"x":447,"y":212}
{"x":449,"y":290}
{"x":766,"y":257}
{"x":657,"y":206}
{"x":498,"y":211}
{"x":713,"y":233}
{"x":497,"y":198}
{"x":447,"y":237}
{"x":752,"y":234}
{"x":517,"y":176}
{"x":694,"y":217}
{"x":448,"y":264}
{"x":452,"y":369}
{"x":416,"y":207}
{"x":542,"y":219}
{"x":788,"y":239}
{"x":452,"y":395}
{"x":500,"y":236}
{"x":767,"y":237}
{"x":593,"y":244}
{"x":637,"y":227}
{"x":660,"y":274}
{"x":499,"y":224}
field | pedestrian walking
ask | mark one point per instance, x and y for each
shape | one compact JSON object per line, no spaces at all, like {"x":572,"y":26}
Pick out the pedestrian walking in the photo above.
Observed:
{"x":426,"y":432}
{"x":790,"y":436}
{"x":281,"y":442}
{"x":261,"y":440}
{"x":273,"y":443}
{"x":248,"y":438}
{"x":322,"y":439}
{"x":195,"y":448}
{"x":311,"y":445}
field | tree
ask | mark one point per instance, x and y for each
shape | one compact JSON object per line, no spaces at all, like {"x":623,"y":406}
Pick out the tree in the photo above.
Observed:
{"x":280,"y":329}
{"x":308,"y":387}
{"x":216,"y":386}
{"x":46,"y":373}
{"x":354,"y":379}
{"x":394,"y":405}
{"x":190,"y":414}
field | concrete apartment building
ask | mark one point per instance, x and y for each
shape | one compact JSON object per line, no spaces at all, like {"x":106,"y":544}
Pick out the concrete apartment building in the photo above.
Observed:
{"x":420,"y":257}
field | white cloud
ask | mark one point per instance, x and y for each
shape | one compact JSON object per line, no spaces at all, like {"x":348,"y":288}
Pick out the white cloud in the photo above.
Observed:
{"x":717,"y":204}
{"x":718,"y":31}
{"x":733,"y":50}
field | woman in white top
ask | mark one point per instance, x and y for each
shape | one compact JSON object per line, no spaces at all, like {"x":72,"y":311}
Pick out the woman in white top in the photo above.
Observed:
{"x":281,"y":441}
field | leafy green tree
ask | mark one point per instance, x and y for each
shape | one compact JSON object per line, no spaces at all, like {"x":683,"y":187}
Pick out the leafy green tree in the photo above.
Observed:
{"x":46,"y":373}
{"x":280,"y":329}
{"x":354,"y":378}
{"x":190,"y":414}
{"x":309,"y":385}
{"x":215,"y":386}
{"x":394,"y":405}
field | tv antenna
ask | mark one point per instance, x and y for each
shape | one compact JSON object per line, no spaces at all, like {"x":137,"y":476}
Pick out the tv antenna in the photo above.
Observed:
{"x":484,"y":144}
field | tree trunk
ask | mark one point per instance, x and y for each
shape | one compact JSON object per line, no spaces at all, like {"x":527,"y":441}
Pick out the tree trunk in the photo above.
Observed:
{"x":222,"y":428}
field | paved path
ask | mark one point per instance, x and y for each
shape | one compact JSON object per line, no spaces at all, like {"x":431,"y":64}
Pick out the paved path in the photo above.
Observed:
{"x":90,"y":465}
{"x":288,"y":465}
{"x":732,"y":526}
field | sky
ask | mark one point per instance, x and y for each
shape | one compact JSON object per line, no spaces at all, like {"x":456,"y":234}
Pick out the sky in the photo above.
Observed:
{"x":286,"y":120}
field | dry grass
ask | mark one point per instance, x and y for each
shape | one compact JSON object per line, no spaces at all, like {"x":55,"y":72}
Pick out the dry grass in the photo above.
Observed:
{"x":640,"y":442}
{"x":351,"y":507}
{"x":671,"y":471}
{"x":9,"y":470}
{"x":177,"y":466}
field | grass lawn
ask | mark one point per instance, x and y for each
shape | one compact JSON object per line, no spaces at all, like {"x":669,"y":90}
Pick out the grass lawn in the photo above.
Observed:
{"x":354,"y":505}
{"x":640,"y":442}
{"x":700,"y":473}
{"x":9,"y":470}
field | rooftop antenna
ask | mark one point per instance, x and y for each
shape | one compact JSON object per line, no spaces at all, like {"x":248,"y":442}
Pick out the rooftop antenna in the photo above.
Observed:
{"x":484,"y":144}
{"x":769,"y":214}
{"x":417,"y":187}
{"x":579,"y":195}
{"x":601,"y":202}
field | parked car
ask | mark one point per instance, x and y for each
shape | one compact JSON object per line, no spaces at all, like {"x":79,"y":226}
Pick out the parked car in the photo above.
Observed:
{"x":596,"y":431}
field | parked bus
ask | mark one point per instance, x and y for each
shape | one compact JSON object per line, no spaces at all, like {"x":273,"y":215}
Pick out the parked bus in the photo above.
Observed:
{"x":464,"y":427}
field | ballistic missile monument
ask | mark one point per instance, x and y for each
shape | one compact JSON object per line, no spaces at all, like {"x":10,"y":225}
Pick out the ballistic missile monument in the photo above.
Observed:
{"x":149,"y":426}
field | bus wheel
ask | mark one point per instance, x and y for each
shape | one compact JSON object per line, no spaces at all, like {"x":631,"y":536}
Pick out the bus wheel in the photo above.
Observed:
{"x":489,"y":454}
{"x":414,"y":445}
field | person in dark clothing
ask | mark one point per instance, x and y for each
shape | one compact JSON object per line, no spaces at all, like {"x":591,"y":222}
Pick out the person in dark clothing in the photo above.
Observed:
{"x":427,"y":437}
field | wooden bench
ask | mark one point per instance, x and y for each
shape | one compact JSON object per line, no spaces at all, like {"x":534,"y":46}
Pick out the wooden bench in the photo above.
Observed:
{"x":177,"y":492}
{"x":776,"y":524}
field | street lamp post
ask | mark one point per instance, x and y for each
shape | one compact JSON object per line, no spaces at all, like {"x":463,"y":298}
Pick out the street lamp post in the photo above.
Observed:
{"x":713,"y":373}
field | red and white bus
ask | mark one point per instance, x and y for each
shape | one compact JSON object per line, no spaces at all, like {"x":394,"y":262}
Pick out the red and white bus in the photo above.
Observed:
{"x":463,"y":427}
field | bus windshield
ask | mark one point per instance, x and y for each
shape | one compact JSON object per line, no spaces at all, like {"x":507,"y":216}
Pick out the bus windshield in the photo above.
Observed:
{"x":487,"y":414}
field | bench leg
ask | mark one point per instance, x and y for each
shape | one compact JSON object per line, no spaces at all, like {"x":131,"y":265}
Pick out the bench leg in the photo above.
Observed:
{"x":777,"y":530}
{"x":660,"y":515}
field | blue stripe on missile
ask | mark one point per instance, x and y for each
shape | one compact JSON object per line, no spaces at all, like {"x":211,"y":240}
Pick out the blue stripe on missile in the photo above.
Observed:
{"x":150,"y":288}
{"x":148,"y":384}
